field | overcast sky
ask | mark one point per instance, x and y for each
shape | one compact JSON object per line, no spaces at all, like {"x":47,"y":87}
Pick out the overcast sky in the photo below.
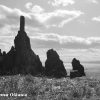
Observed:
{"x":61,"y":24}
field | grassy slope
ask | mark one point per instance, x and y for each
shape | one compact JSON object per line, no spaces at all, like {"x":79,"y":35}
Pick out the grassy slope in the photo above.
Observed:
{"x":42,"y":88}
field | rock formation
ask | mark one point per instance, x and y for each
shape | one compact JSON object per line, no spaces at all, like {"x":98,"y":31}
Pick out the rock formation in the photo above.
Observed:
{"x":8,"y":62}
{"x":0,"y":53}
{"x":78,"y":69}
{"x":20,"y":59}
{"x":1,"y":60}
{"x":26,"y":61}
{"x":54,"y":66}
{"x":22,"y":23}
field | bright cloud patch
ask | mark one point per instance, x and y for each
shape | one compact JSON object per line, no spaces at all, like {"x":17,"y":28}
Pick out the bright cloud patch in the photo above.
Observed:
{"x":66,"y":15}
{"x":6,"y":10}
{"x":96,"y":19}
{"x":55,"y":18}
{"x":61,"y":2}
{"x":28,"y":5}
{"x":57,"y":13}
{"x":74,"y":15}
{"x":35,"y":8}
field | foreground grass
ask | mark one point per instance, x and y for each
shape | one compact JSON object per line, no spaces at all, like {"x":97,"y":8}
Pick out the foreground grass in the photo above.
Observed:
{"x":42,"y":88}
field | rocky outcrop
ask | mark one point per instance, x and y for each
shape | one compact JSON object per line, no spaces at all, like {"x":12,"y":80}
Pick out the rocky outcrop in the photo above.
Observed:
{"x":26,"y":61}
{"x":54,"y":66}
{"x":20,"y":59}
{"x":8,"y":62}
{"x":1,"y":60}
{"x":78,"y":69}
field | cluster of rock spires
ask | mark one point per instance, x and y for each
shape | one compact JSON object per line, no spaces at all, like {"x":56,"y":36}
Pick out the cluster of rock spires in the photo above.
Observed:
{"x":22,"y":60}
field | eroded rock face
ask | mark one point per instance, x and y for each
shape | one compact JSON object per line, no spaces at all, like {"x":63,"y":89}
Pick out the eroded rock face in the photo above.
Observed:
{"x":78,"y":69}
{"x":7,"y":62}
{"x":20,"y":59}
{"x":26,"y":61}
{"x":54,"y":66}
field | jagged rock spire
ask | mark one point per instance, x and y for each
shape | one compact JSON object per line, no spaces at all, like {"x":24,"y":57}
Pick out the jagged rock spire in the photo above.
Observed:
{"x":26,"y":61}
{"x":22,"y":23}
{"x":54,"y":66}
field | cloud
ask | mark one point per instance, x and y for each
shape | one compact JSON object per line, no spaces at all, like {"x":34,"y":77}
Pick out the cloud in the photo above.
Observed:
{"x":93,"y":1}
{"x":66,"y":15}
{"x":64,"y":39}
{"x":9,"y":20}
{"x":52,"y":40}
{"x":14,"y":12}
{"x":47,"y":18}
{"x":9,"y":16}
{"x":28,"y":5}
{"x":6,"y":30}
{"x":35,"y":8}
{"x":74,"y":15}
{"x":61,"y":2}
{"x":96,"y":19}
{"x":6,"y":42}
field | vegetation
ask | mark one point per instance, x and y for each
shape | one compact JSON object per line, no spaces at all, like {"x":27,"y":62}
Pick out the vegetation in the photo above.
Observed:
{"x":43,"y":88}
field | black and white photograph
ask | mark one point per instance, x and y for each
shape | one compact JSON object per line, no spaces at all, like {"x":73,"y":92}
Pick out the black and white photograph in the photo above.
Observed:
{"x":49,"y":49}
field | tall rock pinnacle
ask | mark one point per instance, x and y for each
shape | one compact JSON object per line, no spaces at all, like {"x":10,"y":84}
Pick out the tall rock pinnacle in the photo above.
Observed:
{"x":26,"y":61}
{"x":22,"y":23}
{"x":21,"y":59}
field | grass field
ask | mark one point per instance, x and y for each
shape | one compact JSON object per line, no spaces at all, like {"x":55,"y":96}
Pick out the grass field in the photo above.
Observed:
{"x":43,"y":88}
